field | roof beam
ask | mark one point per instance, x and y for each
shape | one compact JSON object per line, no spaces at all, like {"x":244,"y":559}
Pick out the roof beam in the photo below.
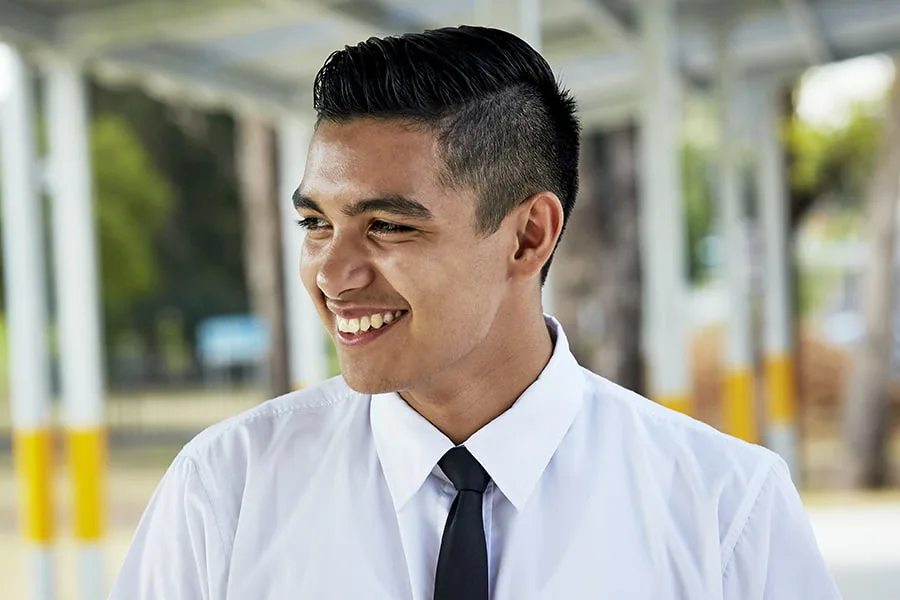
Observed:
{"x":363,"y":18}
{"x":126,"y":25}
{"x":807,"y":22}
{"x":191,"y":71}
{"x":20,"y":24}
{"x":373,"y":14}
{"x":608,"y":25}
{"x":613,"y":27}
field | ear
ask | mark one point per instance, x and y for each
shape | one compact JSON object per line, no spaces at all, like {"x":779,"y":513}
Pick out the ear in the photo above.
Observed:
{"x":539,"y":222}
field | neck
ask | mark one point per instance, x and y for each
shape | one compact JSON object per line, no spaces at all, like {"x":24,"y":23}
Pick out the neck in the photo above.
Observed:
{"x":487,"y":382}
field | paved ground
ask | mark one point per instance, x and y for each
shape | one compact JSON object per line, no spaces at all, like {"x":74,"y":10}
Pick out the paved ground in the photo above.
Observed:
{"x":859,"y":536}
{"x":129,"y":489}
{"x":861,"y":542}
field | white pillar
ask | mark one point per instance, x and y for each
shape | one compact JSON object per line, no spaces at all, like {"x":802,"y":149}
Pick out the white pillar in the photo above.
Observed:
{"x":662,"y":209}
{"x":781,"y":430}
{"x":739,"y":400}
{"x":306,"y":335}
{"x":76,"y":265}
{"x":26,"y":319}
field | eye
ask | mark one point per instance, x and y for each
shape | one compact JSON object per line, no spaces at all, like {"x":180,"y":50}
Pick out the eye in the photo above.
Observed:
{"x":312,"y":223}
{"x":383,"y":227}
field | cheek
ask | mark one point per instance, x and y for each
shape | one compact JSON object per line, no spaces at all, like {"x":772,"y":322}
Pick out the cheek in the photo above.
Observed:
{"x":462,"y":278}
{"x":481,"y":265}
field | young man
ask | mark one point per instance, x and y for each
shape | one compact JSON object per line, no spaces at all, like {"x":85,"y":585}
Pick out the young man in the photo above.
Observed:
{"x":463,"y":454}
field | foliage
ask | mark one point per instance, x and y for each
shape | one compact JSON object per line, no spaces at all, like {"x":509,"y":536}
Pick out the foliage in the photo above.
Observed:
{"x":199,"y":246}
{"x":133,"y":202}
{"x":699,"y":207}
{"x":824,"y":165}
{"x":834,"y":163}
{"x":4,"y":363}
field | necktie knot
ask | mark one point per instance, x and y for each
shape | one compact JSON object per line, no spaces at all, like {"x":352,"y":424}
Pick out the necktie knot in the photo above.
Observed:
{"x":464,"y":470}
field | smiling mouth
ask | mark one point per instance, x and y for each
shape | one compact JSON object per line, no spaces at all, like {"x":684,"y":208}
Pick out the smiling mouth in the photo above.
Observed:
{"x":367,"y":324}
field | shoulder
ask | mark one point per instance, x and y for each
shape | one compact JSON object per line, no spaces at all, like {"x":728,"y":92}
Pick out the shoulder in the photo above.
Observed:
{"x":670,"y":433}
{"x":303,"y":415}
{"x":687,"y":461}
{"x":222,"y":463}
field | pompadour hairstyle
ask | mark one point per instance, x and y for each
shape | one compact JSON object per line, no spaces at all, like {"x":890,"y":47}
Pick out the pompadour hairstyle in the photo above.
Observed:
{"x":505,"y":127}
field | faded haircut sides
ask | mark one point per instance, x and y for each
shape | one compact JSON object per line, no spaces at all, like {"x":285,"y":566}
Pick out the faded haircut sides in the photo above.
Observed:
{"x":504,"y":125}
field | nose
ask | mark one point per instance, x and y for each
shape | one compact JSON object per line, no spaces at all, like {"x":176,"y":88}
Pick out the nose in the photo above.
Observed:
{"x":343,"y":267}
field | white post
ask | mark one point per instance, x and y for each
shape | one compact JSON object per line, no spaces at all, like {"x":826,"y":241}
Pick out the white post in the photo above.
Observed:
{"x":26,"y":319}
{"x":739,"y":400}
{"x":781,"y":430}
{"x":662,"y":210}
{"x":306,"y":335}
{"x":78,"y":304}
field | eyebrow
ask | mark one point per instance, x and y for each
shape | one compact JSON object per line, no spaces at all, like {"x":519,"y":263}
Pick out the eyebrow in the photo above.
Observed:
{"x":301,"y":201}
{"x":393,"y":204}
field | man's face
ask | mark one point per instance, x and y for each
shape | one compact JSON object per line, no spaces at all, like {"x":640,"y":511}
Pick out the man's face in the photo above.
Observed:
{"x":399,"y":273}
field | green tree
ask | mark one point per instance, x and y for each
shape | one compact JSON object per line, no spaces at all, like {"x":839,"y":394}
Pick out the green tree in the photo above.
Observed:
{"x":199,"y":247}
{"x":133,"y":202}
{"x":169,"y":229}
{"x":868,"y":405}
{"x":698,"y":206}
{"x":856,"y":166}
{"x":832,"y":164}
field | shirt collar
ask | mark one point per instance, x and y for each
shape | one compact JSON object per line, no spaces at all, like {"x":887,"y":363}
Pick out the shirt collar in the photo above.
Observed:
{"x":514,"y":448}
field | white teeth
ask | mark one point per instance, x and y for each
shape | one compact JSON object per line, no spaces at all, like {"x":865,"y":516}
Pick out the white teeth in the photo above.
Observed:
{"x":366,"y":323}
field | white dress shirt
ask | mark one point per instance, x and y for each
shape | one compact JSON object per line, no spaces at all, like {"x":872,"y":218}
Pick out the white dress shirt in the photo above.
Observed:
{"x":596,"y":493}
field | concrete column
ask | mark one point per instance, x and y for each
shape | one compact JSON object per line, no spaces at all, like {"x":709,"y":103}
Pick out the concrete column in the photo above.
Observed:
{"x":26,"y":320}
{"x":662,"y":210}
{"x":739,"y":401}
{"x":306,"y":335}
{"x":76,"y":265}
{"x":781,"y":395}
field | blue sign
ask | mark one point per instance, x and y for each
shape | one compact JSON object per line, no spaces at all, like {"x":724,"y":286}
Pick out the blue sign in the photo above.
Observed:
{"x":232,"y":340}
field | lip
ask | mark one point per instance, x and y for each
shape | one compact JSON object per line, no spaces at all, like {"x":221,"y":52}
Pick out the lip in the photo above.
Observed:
{"x":358,"y":339}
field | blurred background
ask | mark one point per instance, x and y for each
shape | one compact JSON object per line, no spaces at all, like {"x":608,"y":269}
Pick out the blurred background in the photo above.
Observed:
{"x":732,"y":254}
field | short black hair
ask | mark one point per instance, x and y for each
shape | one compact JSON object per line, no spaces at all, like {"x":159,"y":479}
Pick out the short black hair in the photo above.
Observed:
{"x":505,"y":126}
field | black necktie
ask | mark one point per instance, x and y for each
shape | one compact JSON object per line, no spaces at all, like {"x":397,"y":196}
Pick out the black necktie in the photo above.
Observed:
{"x":462,"y":569}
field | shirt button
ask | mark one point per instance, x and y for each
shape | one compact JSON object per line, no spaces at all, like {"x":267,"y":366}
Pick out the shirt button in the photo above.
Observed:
{"x":448,"y":490}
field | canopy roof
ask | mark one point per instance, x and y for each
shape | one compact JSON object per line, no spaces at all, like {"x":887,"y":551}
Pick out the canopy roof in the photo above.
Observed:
{"x":265,"y":53}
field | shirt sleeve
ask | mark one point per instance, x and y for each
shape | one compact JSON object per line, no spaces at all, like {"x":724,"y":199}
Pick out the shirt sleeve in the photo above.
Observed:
{"x":177,"y":552}
{"x":776,"y":556}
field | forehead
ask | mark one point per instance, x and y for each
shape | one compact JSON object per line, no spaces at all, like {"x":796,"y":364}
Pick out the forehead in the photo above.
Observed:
{"x":367,"y":156}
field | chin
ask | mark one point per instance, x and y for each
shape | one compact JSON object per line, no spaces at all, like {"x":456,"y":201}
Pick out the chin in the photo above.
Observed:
{"x":371,"y":383}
